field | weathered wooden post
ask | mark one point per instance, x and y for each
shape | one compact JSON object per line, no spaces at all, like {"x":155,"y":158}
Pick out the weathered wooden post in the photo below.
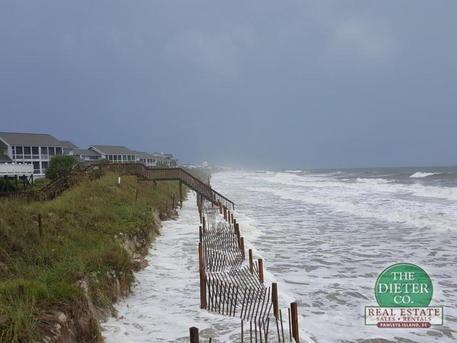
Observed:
{"x":251,"y":262}
{"x":294,"y":320}
{"x":194,"y":336}
{"x":260,"y":261}
{"x":204,"y":223}
{"x":220,"y":208}
{"x":237,"y":231}
{"x":225,"y":213}
{"x":180,"y":194}
{"x":200,"y":234}
{"x":274,"y":299}
{"x":242,"y":247}
{"x":203,"y":303}
{"x":40,"y":225}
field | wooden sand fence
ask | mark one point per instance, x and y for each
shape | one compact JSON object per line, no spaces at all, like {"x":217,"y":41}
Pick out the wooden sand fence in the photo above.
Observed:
{"x":232,"y":284}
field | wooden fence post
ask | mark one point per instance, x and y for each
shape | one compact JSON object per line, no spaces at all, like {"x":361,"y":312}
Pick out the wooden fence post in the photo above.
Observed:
{"x":203,"y":303}
{"x":251,"y":262}
{"x":294,"y":320}
{"x":180,"y":194}
{"x":242,"y":247}
{"x":40,"y":225}
{"x":274,"y":299}
{"x":260,"y":270}
{"x":194,"y":336}
{"x":237,"y":231}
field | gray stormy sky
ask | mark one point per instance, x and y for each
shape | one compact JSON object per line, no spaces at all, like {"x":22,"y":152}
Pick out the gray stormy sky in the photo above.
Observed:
{"x":289,"y":84}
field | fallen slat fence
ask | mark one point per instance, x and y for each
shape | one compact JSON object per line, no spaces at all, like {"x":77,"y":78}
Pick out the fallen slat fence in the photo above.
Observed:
{"x":232,"y":286}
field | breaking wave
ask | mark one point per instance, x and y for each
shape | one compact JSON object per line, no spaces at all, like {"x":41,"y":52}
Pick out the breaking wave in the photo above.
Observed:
{"x":419,"y":175}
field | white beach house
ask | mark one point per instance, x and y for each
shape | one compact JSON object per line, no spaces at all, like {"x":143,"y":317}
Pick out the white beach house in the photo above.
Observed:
{"x":35,"y":149}
{"x":116,"y":153}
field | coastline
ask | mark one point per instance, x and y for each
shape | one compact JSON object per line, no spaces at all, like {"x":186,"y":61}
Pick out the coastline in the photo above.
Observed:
{"x":93,"y":237}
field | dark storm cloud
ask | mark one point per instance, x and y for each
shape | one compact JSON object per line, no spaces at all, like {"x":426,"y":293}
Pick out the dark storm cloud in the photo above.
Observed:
{"x":272,"y":83}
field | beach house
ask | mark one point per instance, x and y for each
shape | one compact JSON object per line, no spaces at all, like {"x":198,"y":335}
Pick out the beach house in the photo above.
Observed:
{"x":165,"y":160}
{"x":35,"y":149}
{"x":116,"y":153}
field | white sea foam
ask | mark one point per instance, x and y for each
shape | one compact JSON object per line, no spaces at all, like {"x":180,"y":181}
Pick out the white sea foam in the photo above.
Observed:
{"x":419,"y":174}
{"x":323,"y":239}
{"x":165,"y":300}
{"x":327,"y":239}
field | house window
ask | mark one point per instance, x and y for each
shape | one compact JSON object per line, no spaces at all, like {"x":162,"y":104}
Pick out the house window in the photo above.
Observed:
{"x":58,"y":151}
{"x":36,"y":168}
{"x":35,"y":152}
{"x":52,"y":151}
{"x":27,"y":152}
{"x":44,"y":152}
{"x":44,"y":166}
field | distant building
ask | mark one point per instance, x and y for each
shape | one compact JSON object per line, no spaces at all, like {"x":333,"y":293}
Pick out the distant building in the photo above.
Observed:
{"x":165,"y":160}
{"x":149,"y":160}
{"x":68,"y":147}
{"x":35,"y":149}
{"x":116,"y":153}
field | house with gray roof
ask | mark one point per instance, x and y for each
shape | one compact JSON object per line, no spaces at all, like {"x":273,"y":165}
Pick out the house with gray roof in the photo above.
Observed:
{"x":68,"y":147}
{"x":165,"y":160}
{"x":116,"y":153}
{"x":149,"y":160}
{"x":35,"y":149}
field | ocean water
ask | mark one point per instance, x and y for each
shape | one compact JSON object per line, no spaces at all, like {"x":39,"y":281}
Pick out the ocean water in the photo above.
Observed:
{"x":325,"y":235}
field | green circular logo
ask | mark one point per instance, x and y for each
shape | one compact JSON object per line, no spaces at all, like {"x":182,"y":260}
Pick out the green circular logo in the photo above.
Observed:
{"x":403,"y":285}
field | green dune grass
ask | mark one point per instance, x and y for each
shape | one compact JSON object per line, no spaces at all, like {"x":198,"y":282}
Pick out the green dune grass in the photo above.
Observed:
{"x":82,"y":238}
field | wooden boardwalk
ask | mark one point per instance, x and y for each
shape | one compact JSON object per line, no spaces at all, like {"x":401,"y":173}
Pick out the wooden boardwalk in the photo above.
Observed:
{"x":64,"y":182}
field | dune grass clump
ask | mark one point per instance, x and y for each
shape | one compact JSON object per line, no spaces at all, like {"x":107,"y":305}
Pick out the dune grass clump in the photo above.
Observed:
{"x":81,"y":237}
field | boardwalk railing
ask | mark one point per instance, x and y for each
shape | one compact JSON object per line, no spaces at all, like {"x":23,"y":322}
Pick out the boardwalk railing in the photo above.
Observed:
{"x":64,"y":182}
{"x":167,"y":174}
